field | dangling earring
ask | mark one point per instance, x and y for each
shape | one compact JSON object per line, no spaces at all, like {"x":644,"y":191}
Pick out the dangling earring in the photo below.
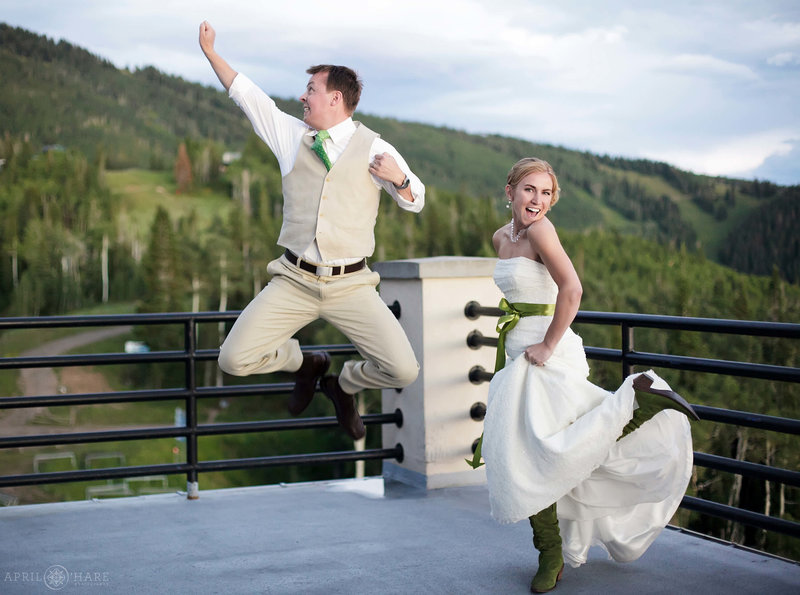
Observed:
{"x":508,"y":204}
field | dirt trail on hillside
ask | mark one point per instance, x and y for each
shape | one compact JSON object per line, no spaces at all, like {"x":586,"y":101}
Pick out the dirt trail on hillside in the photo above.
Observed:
{"x":43,"y":381}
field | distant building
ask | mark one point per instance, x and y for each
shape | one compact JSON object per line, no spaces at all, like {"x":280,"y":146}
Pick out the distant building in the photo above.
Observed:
{"x":229,"y":157}
{"x":136,"y":347}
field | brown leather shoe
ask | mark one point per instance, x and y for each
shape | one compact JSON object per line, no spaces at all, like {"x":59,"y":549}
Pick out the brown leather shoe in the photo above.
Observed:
{"x":345,"y":405}
{"x":314,"y":365}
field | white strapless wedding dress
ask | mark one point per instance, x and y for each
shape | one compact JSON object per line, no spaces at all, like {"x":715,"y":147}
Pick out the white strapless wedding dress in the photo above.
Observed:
{"x":550,"y":435}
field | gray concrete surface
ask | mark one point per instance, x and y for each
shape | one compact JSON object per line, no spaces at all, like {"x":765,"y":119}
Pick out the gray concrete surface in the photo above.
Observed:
{"x":335,"y":537}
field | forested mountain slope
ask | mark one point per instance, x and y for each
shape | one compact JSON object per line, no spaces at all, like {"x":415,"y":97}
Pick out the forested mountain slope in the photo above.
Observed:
{"x":59,"y":94}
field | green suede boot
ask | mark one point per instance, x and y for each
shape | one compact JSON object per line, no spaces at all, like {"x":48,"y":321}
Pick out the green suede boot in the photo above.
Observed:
{"x":547,"y":539}
{"x":651,"y":401}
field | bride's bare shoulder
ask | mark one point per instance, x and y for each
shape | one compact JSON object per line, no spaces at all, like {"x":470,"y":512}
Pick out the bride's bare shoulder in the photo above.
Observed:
{"x":499,"y":236}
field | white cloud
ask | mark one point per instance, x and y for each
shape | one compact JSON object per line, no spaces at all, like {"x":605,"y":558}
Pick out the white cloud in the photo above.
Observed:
{"x":737,"y":156}
{"x":784,"y":59}
{"x":772,"y":31}
{"x":705,"y":65}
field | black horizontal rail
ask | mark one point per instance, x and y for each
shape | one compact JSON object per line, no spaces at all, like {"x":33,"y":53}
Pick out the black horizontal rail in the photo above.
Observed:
{"x":603,"y":354}
{"x":756,"y":470}
{"x":93,"y":437}
{"x":630,"y":358}
{"x":28,"y":322}
{"x":162,"y":394}
{"x":131,"y":396}
{"x":675,"y":362}
{"x":715,"y":366}
{"x":741,"y":515}
{"x":474,"y":310}
{"x":756,"y":328}
{"x":57,"y":361}
{"x":745,"y":418}
{"x":93,"y":474}
{"x":306,"y":423}
{"x":477,"y":339}
{"x":223,"y":465}
{"x":274,"y":425}
{"x":478,"y":374}
{"x":301,"y":459}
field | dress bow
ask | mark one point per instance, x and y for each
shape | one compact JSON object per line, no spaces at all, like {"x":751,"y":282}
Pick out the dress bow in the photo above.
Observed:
{"x":506,"y":322}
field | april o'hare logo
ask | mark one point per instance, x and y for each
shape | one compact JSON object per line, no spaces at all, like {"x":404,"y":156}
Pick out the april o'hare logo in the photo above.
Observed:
{"x":56,"y":577}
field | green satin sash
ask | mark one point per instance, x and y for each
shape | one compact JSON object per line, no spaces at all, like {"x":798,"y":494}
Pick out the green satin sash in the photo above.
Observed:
{"x":513,"y":312}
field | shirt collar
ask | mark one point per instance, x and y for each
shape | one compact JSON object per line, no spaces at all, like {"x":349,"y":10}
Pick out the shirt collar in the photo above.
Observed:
{"x":342,"y":130}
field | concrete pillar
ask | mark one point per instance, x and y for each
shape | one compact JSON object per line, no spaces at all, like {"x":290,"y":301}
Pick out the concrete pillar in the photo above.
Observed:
{"x":438,"y":431}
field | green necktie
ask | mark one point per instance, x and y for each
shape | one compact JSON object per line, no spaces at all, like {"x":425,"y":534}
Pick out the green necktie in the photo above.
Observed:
{"x":320,"y":150}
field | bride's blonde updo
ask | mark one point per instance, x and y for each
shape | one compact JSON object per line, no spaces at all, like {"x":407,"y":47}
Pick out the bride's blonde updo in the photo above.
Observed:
{"x":530,"y":165}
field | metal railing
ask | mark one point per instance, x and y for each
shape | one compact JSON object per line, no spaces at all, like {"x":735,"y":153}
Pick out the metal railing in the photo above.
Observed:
{"x":629,"y":358}
{"x":190,"y":393}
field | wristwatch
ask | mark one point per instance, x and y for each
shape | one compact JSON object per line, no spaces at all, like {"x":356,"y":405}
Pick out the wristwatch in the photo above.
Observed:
{"x":404,"y":185}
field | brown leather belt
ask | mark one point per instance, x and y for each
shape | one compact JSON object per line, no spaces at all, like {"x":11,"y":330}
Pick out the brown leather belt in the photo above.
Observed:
{"x":323,"y":271}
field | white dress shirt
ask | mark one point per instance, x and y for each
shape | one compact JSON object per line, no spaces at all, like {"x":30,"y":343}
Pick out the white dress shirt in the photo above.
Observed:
{"x":283,"y":134}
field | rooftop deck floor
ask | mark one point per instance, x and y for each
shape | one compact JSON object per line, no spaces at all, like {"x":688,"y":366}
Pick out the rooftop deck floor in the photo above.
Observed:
{"x":336,"y":537}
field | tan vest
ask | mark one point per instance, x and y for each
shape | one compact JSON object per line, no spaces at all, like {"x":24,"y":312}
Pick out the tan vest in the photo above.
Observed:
{"x":337,"y":207}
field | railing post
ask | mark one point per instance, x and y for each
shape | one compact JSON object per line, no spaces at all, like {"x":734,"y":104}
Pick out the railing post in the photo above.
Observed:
{"x":438,"y":429}
{"x":627,"y":348}
{"x":190,"y":345}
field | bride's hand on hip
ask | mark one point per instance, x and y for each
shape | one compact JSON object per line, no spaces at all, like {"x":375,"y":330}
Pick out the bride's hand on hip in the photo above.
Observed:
{"x":537,"y":354}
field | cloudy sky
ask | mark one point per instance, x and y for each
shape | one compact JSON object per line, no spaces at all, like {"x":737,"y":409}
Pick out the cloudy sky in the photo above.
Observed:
{"x":710,"y":86}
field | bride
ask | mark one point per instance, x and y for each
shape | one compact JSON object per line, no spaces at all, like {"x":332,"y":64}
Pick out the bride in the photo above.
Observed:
{"x":584,"y":465}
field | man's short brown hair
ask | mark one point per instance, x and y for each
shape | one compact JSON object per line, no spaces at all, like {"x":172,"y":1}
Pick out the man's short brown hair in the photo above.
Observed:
{"x":342,"y":79}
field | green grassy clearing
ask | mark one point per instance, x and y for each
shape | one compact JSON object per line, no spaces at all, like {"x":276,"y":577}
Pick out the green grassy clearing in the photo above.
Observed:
{"x":142,"y":191}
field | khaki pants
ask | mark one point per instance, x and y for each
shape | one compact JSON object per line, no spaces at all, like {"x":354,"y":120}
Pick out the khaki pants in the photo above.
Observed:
{"x":261,"y":339}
